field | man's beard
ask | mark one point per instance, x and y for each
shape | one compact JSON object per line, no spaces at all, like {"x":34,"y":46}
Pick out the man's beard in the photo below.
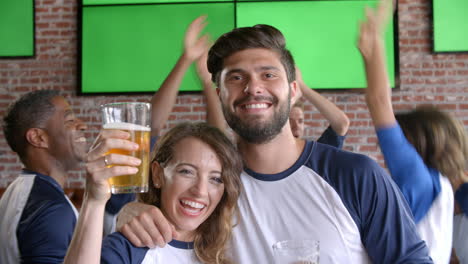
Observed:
{"x":258,"y":132}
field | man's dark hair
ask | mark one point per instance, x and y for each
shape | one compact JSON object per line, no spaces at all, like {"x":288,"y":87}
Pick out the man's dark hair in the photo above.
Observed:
{"x":258,"y":36}
{"x":32,"y":110}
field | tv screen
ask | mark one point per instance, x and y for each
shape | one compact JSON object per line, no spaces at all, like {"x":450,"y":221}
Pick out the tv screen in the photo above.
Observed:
{"x":322,"y":37}
{"x":450,"y":20}
{"x":16,"y":28}
{"x":129,"y":2}
{"x":132,"y":48}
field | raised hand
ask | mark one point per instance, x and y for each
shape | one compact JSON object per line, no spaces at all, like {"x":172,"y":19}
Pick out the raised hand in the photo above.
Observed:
{"x":202,"y":68}
{"x":301,"y":84}
{"x":100,"y":167}
{"x":373,"y":28}
{"x":194,"y":44}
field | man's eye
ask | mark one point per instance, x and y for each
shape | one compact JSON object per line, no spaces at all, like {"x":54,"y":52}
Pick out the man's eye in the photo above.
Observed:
{"x":235,"y":78}
{"x":269,"y":75}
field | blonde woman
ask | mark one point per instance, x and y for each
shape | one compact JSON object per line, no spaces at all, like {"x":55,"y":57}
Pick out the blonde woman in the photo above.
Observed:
{"x":194,"y":181}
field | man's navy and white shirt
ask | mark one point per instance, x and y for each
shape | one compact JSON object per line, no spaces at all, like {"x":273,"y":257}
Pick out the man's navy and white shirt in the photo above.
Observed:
{"x":37,"y":220}
{"x":344,"y":200}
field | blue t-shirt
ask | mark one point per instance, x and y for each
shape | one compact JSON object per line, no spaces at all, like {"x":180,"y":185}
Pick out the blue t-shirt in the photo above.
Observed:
{"x":330,"y":137}
{"x":116,"y":249}
{"x":461,"y":195}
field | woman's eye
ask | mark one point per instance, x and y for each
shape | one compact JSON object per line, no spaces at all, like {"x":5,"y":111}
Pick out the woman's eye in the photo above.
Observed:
{"x":217,"y":180}
{"x":185,"y":171}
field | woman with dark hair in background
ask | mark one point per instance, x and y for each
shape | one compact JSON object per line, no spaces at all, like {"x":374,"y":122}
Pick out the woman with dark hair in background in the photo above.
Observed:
{"x":425,"y":149}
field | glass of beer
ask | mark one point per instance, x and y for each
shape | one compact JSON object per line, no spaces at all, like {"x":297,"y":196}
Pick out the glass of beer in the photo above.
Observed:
{"x":134,"y":118}
{"x":297,"y":252}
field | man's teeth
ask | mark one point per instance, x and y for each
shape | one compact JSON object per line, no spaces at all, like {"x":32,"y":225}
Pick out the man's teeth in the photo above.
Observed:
{"x":81,"y":139}
{"x":250,"y":106}
{"x":193,"y":204}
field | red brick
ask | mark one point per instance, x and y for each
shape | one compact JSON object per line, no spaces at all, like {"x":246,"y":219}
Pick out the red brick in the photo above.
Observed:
{"x":367,"y":148}
{"x":425,"y":77}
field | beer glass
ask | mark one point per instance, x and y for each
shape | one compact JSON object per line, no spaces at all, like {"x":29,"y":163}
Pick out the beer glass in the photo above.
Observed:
{"x":134,"y":118}
{"x":296,"y":252}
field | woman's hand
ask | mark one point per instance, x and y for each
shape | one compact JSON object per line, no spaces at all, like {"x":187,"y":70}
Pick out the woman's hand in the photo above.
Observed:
{"x":100,"y":165}
{"x":373,"y":29}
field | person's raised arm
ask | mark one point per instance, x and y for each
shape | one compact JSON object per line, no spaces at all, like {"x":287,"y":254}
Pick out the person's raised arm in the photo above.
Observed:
{"x":214,"y":114}
{"x":85,"y":246}
{"x":165,"y":98}
{"x":406,"y":166}
{"x":372,"y":48}
{"x":338,"y":120}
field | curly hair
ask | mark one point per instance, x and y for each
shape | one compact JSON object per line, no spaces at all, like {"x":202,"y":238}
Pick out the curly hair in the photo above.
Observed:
{"x":31,"y":110}
{"x":213,"y":234}
{"x":438,"y":137}
{"x":258,"y":36}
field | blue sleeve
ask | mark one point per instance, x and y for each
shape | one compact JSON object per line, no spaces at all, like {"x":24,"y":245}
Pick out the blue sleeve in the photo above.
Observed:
{"x":419,"y":184}
{"x":378,"y":208}
{"x":461,"y":196}
{"x":45,"y":238}
{"x":117,"y":201}
{"x":153,"y":141}
{"x":330,"y":137}
{"x":116,"y":249}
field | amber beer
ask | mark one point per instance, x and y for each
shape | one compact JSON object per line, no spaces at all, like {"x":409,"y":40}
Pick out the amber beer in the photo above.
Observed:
{"x":135,"y":183}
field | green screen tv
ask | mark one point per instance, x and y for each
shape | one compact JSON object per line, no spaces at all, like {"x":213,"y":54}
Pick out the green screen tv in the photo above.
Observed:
{"x":322,"y":37}
{"x":132,"y":48}
{"x":450,"y":21}
{"x":16,"y":28}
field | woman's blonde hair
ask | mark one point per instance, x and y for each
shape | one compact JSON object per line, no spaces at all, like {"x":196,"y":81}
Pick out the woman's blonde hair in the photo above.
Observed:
{"x":213,"y":234}
{"x":438,"y":137}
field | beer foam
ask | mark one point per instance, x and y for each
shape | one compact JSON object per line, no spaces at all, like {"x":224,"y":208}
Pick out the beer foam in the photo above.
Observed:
{"x":126,"y":126}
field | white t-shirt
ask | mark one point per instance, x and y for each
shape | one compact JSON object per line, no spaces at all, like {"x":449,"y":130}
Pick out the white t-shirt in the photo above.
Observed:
{"x":344,"y":200}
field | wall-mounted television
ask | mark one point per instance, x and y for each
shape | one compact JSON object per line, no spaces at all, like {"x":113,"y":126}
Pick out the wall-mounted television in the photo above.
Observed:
{"x":450,"y":21}
{"x":132,"y":47}
{"x":16,"y":28}
{"x":322,"y":37}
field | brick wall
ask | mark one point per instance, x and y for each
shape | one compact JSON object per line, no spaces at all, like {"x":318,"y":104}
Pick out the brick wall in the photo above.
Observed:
{"x":440,"y":79}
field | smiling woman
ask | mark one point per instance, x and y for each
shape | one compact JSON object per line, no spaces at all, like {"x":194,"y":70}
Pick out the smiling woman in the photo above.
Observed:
{"x":194,"y":182}
{"x":196,"y":173}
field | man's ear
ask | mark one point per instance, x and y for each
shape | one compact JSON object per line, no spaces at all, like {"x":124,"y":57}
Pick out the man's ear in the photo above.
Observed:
{"x":37,"y":137}
{"x":157,"y":175}
{"x":295,"y":92}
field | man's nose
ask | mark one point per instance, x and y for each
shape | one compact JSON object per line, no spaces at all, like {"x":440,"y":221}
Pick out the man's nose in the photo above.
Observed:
{"x":254,"y":86}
